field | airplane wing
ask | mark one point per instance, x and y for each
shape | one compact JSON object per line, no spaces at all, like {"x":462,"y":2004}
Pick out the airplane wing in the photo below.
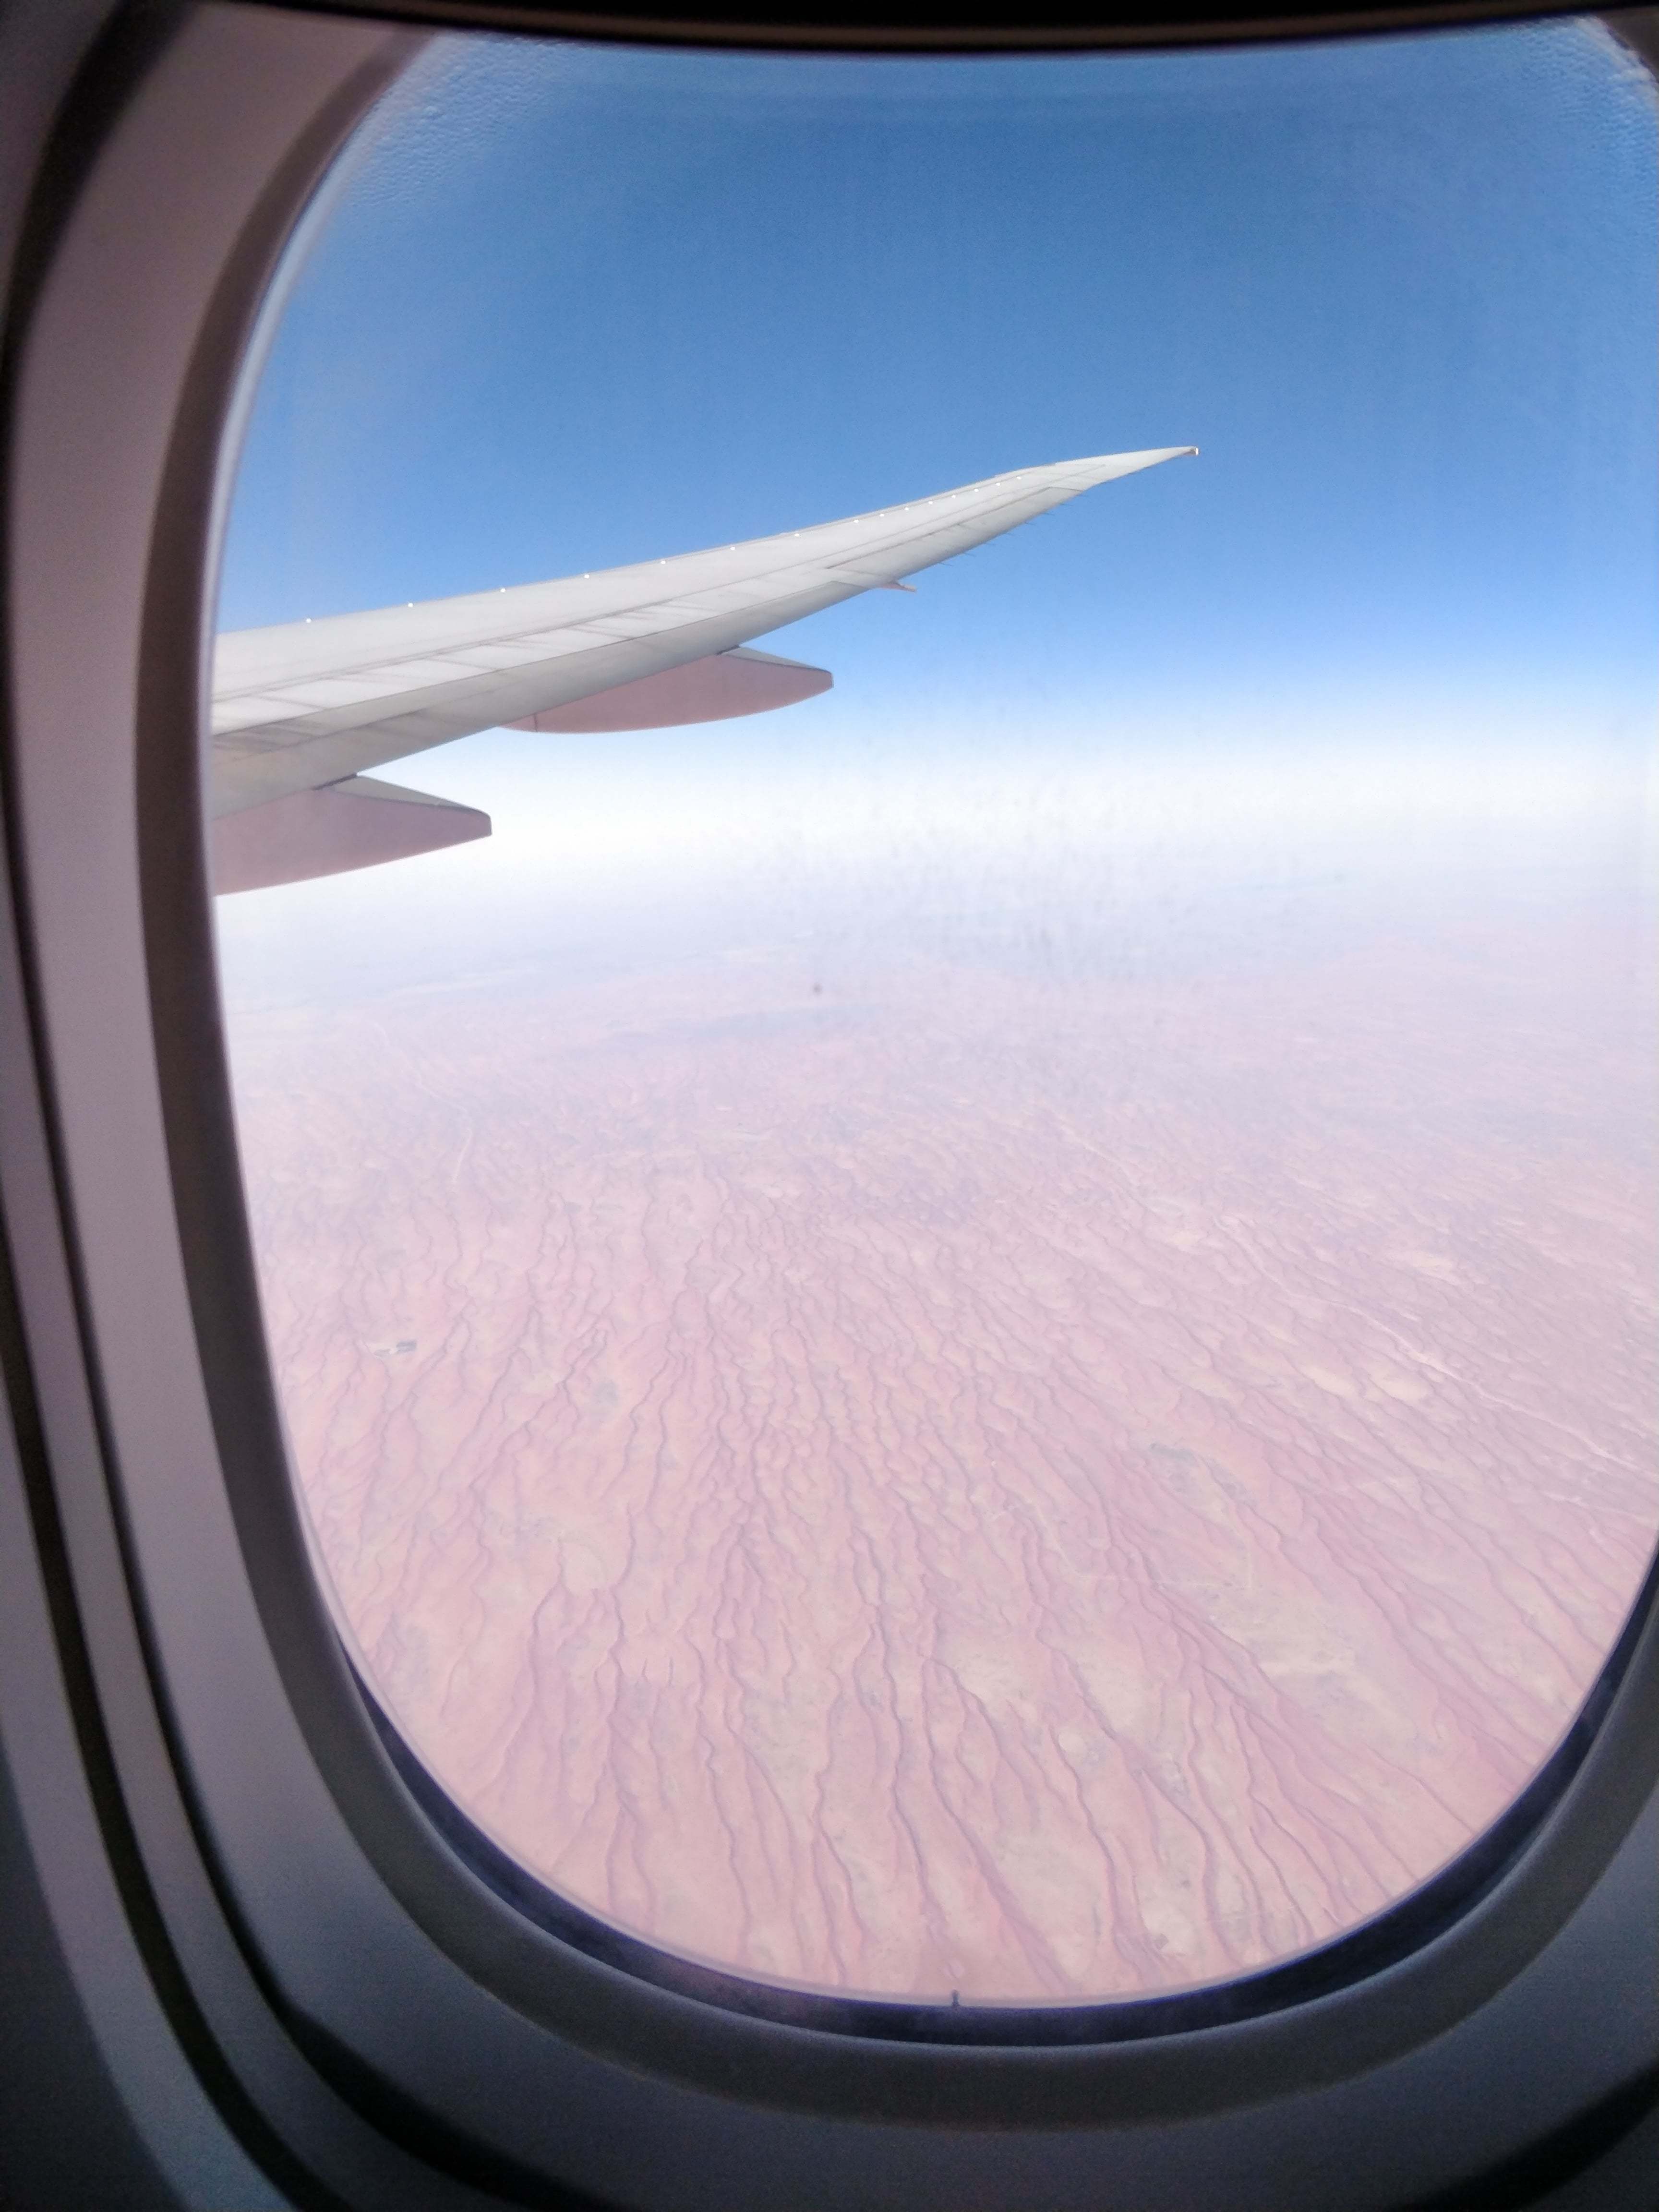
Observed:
{"x":300,"y":711}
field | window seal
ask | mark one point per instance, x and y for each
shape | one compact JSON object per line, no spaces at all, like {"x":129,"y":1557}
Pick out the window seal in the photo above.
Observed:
{"x":540,"y":1962}
{"x":916,"y":28}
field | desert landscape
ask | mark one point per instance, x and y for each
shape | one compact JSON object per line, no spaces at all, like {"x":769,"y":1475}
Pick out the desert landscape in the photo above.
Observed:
{"x":930,"y":1474}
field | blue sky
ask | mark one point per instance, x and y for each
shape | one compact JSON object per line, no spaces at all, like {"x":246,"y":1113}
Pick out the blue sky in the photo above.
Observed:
{"x":579,"y":306}
{"x":573,"y":307}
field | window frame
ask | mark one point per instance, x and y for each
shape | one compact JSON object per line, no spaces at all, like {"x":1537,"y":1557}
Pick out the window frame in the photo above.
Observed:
{"x":373,"y":2022}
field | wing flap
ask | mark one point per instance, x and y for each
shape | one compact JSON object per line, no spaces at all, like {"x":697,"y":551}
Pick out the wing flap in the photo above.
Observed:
{"x":326,"y":832}
{"x":719,"y":688}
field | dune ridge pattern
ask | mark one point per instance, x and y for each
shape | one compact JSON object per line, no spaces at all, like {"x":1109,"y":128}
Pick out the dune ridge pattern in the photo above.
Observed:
{"x":939,"y":1478}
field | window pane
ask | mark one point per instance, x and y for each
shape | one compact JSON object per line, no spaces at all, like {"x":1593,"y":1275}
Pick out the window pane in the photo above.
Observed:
{"x":993,"y":1334}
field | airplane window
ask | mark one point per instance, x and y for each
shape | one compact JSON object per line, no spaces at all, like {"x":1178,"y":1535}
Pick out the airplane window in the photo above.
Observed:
{"x":982,"y":1334}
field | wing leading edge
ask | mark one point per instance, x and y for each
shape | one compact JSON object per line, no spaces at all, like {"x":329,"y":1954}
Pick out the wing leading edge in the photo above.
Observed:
{"x":302,"y":708}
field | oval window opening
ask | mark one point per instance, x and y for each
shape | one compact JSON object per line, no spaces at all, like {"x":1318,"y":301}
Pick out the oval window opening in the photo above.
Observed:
{"x":983,"y":1332}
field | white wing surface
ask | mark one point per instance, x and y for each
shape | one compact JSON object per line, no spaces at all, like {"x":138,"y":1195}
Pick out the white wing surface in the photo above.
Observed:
{"x":307,"y":705}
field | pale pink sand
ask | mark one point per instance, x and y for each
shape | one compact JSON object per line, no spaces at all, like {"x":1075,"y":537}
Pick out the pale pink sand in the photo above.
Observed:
{"x":947,"y":1483}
